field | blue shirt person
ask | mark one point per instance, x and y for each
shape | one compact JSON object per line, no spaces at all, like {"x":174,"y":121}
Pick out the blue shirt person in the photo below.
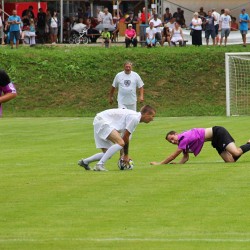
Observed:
{"x":14,"y":22}
{"x":244,"y":20}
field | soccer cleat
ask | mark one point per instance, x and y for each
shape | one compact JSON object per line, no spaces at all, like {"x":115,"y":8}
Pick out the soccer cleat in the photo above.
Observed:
{"x":84,"y":165}
{"x":100,"y":167}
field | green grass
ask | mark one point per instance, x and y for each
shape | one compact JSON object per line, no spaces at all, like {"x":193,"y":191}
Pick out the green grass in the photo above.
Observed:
{"x":72,"y":81}
{"x":48,"y":202}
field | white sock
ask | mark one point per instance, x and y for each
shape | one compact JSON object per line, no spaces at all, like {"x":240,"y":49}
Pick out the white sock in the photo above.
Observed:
{"x":109,"y":153}
{"x":92,"y":158}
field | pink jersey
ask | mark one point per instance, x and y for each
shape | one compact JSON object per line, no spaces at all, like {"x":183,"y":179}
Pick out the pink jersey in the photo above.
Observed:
{"x":9,"y":88}
{"x":191,"y":141}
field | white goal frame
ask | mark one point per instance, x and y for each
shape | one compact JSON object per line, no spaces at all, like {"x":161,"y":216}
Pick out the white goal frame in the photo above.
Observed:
{"x":228,"y":78}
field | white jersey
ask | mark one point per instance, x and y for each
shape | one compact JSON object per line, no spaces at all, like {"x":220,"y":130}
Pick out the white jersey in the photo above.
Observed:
{"x":127,"y":84}
{"x":119,"y":119}
{"x":107,"y":19}
{"x":225,"y":21}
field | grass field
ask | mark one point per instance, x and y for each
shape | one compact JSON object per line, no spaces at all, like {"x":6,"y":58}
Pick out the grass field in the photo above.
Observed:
{"x":48,"y":202}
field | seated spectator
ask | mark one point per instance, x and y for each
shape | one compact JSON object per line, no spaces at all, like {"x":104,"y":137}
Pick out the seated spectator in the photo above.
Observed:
{"x":177,"y":35}
{"x":130,"y":36}
{"x":30,"y":33}
{"x":92,"y":33}
{"x":171,"y":23}
{"x":166,"y":35}
{"x":234,"y":25}
{"x":106,"y":37}
{"x":150,"y":35}
{"x":158,"y":26}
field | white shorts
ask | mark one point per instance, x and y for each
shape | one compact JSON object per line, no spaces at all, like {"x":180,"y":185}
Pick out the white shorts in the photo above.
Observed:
{"x":101,"y":131}
{"x":126,"y":106}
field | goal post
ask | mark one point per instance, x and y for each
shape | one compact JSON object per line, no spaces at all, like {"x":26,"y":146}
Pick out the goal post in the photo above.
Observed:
{"x":237,"y":69}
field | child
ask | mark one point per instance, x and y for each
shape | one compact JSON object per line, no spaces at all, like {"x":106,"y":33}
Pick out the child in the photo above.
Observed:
{"x":106,"y":38}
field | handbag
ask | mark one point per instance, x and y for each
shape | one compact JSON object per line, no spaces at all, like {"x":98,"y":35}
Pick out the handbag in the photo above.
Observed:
{"x":191,"y":32}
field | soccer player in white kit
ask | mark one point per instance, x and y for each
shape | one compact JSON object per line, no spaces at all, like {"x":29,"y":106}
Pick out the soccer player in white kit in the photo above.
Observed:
{"x":112,"y":130}
{"x":127,"y":82}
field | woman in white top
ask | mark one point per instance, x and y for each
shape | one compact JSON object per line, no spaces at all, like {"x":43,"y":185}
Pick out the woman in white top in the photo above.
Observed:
{"x":197,"y":30}
{"x":176,"y":34}
{"x":53,"y":27}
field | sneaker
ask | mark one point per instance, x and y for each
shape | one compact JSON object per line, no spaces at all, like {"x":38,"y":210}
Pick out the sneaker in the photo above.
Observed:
{"x":84,"y":165}
{"x":100,"y":167}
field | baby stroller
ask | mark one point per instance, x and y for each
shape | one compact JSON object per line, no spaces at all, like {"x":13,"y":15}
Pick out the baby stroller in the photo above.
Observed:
{"x":78,"y":37}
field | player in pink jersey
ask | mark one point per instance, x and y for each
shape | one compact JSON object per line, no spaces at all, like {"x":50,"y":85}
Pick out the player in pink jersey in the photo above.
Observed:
{"x":192,"y":141}
{"x":7,"y":89}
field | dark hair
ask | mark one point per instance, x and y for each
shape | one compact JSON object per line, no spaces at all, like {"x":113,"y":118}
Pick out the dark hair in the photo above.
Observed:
{"x":147,"y":109}
{"x":4,"y":78}
{"x":166,"y":9}
{"x":172,"y":132}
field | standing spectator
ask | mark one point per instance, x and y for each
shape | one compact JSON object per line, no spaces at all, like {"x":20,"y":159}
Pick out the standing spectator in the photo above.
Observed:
{"x":202,"y":13}
{"x":99,"y":16}
{"x":127,"y":82}
{"x":143,"y":16}
{"x":14,"y":21}
{"x":53,"y":24}
{"x":197,"y":30}
{"x":225,"y":25}
{"x":7,"y":89}
{"x":157,"y":25}
{"x":177,"y":15}
{"x":216,"y":25}
{"x":150,"y":35}
{"x":209,"y":27}
{"x":177,"y":35}
{"x":107,"y":20}
{"x":131,"y":19}
{"x":47,"y":28}
{"x":244,"y":20}
{"x":41,"y":24}
{"x":1,"y":27}
{"x":167,"y":16}
{"x":29,"y":12}
{"x":234,"y":24}
{"x":130,"y":36}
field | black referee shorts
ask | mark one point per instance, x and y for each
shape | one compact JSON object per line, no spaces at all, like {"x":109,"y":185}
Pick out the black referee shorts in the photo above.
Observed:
{"x":221,"y":138}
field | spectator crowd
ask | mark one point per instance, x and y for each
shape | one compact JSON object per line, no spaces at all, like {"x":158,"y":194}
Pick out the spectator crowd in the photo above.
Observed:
{"x":167,"y":29}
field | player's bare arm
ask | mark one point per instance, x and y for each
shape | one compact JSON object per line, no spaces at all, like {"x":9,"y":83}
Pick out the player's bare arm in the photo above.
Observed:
{"x":168,"y":159}
{"x":7,"y":97}
{"x":141,"y":94}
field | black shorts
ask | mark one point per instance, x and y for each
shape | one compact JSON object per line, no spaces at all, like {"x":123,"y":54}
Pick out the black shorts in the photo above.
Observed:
{"x":221,"y":138}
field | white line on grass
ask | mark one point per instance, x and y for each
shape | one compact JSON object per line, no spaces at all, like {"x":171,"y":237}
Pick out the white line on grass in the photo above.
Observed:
{"x":127,"y":239}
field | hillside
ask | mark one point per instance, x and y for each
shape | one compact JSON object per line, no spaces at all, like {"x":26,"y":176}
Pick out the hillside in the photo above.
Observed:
{"x":75,"y":81}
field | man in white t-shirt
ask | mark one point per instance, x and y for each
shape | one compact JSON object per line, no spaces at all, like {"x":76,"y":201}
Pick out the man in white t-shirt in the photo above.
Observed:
{"x":112,"y":130}
{"x":150,"y":34}
{"x":225,"y":26}
{"x":216,"y":24}
{"x":127,"y":82}
{"x":158,"y":26}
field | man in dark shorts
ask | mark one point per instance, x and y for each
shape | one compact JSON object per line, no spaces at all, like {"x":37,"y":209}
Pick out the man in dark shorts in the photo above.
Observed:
{"x":192,"y":141}
{"x":14,"y":21}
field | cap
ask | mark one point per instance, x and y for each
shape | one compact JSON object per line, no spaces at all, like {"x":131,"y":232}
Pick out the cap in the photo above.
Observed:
{"x":130,"y":25}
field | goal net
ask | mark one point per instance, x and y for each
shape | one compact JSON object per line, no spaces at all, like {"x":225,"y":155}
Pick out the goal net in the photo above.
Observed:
{"x":237,"y":83}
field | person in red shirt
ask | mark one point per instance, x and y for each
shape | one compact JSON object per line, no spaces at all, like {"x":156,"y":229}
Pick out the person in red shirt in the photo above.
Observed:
{"x":130,"y":36}
{"x":143,"y":15}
